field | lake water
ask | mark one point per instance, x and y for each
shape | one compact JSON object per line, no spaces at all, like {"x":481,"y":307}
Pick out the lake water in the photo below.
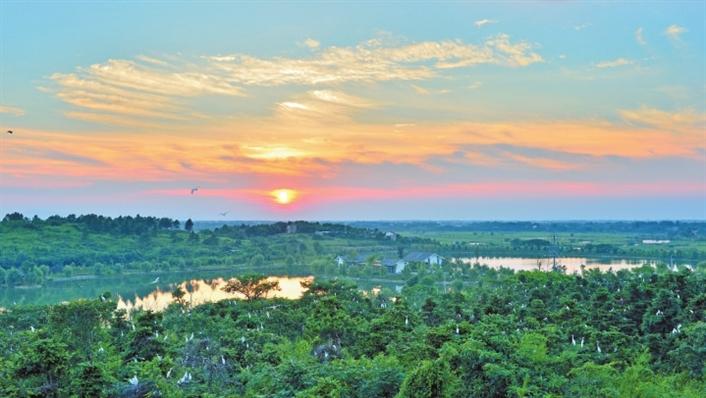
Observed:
{"x":138,"y":291}
{"x":126,"y":286}
{"x":201,"y":291}
{"x":572,"y":264}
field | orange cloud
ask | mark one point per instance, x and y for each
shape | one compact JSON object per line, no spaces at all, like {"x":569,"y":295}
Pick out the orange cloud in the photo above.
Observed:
{"x":315,"y":144}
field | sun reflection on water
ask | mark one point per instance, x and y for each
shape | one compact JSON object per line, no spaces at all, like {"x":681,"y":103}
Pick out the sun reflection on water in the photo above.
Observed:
{"x":199,"y":291}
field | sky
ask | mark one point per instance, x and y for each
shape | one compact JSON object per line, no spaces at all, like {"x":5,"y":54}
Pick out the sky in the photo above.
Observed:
{"x":330,"y":111}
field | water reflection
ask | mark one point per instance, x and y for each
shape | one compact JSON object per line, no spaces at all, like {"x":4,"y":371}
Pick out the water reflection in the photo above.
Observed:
{"x":572,"y":264}
{"x":200,"y":291}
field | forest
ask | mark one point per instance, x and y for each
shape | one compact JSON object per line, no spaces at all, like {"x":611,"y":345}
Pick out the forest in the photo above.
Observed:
{"x":454,"y":330}
{"x":34,"y":251}
{"x":639,"y":333}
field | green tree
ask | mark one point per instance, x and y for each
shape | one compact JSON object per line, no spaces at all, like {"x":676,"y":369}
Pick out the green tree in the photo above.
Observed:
{"x":43,"y":366}
{"x":251,"y":286}
{"x":429,"y":380}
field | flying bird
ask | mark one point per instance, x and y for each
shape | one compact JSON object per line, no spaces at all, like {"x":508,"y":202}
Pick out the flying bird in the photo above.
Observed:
{"x":225,"y":213}
{"x":194,"y":190}
{"x":156,"y":280}
{"x":10,"y":132}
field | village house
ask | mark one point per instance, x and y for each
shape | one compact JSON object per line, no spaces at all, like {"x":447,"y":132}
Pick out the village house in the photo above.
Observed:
{"x":394,"y":265}
{"x":424,"y":257}
{"x":360,"y":259}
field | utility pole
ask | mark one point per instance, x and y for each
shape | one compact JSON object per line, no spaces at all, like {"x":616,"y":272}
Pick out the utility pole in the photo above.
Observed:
{"x":554,"y":253}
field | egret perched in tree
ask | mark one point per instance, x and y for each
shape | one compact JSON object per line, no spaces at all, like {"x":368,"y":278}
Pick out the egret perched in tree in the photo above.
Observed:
{"x":185,"y":379}
{"x":134,"y":381}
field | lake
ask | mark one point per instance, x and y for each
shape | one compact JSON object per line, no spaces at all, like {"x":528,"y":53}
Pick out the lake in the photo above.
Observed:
{"x":138,"y":290}
{"x":200,"y":291}
{"x":572,"y":264}
{"x":125,"y":286}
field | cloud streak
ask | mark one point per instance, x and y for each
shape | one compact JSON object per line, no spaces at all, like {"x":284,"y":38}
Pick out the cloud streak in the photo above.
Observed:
{"x":484,"y":22}
{"x":12,"y":110}
{"x":640,"y":37}
{"x":313,"y":139}
{"x":161,"y":89}
{"x":614,"y":63}
{"x":674,"y":32}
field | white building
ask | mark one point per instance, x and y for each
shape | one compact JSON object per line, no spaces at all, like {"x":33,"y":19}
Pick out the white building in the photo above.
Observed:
{"x":424,"y":257}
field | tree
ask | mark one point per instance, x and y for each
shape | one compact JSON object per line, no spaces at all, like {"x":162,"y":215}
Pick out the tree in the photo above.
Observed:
{"x":257,"y":261}
{"x":90,"y":381}
{"x":178,"y":294}
{"x":189,"y":225}
{"x":253,"y":287}
{"x":45,"y":363}
{"x":429,"y":380}
{"x":145,"y":344}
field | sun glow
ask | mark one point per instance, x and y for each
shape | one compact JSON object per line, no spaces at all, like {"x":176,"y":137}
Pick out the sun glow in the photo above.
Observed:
{"x":284,"y":196}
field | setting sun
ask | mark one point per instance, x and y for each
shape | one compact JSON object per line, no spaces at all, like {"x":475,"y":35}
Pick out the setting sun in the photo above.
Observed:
{"x":284,"y":196}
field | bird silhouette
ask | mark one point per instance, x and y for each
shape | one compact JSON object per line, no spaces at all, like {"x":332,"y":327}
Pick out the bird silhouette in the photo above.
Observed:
{"x":225,"y":213}
{"x":10,"y":132}
{"x":194,"y":190}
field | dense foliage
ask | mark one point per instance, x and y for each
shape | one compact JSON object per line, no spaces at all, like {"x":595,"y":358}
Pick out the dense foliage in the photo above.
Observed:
{"x":492,"y":334}
{"x":33,"y":251}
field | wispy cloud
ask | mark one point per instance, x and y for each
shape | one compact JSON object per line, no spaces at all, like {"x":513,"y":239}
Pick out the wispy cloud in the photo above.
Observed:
{"x":614,"y":63}
{"x":674,"y":32}
{"x":542,"y":162}
{"x":475,"y":85}
{"x":163,"y":88}
{"x":425,"y":91}
{"x":12,"y":110}
{"x":675,"y":121}
{"x":312,"y":43}
{"x":322,"y":106}
{"x":484,"y":22}
{"x":640,"y":37}
{"x":312,"y":135}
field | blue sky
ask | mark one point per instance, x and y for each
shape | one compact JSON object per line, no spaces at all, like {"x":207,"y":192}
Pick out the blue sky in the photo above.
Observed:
{"x":384,"y":110}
